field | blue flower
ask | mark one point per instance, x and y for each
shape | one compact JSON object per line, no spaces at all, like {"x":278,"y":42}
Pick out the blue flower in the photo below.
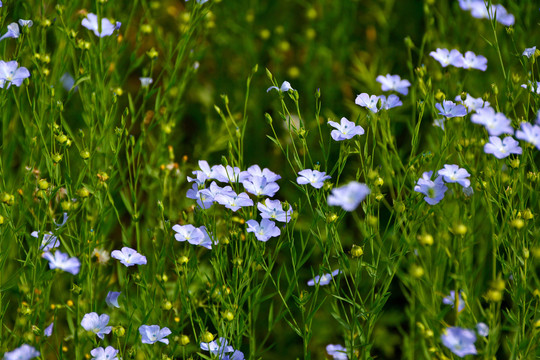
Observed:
{"x":48,"y":330}
{"x":63,"y":262}
{"x":495,"y":123}
{"x":112,"y":298}
{"x":11,"y":73}
{"x":472,"y":61}
{"x":534,"y":88}
{"x":146,"y":81}
{"x":348,"y":196}
{"x":451,"y":300}
{"x":218,"y":347}
{"x":255,"y":170}
{"x":323,"y":279}
{"x":109,"y":353}
{"x":528,"y":52}
{"x":260,"y":186}
{"x":450,"y":109}
{"x":472,"y":104}
{"x":97,"y":324}
{"x":369,"y":102}
{"x":445,"y":57}
{"x":91,"y":23}
{"x":529,"y":133}
{"x":263,"y":231}
{"x":129,"y":257}
{"x":234,"y":201}
{"x":152,"y":334}
{"x":392,"y":102}
{"x":482,"y":329}
{"x":313,"y":177}
{"x":48,"y":242}
{"x":394,"y":82}
{"x":188,"y":233}
{"x":273,"y":209}
{"x":345,"y":130}
{"x":338,"y":352}
{"x":26,"y":23}
{"x":455,"y":174}
{"x":207,"y":241}
{"x":502,"y":148}
{"x":12,"y":32}
{"x":23,"y":352}
{"x":460,"y":341}
{"x":434,"y":190}
{"x":286,"y":86}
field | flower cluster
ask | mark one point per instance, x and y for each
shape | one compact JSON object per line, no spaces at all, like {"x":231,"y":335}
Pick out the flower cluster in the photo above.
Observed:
{"x":222,"y":349}
{"x":434,"y":190}
{"x":480,"y":10}
{"x":453,"y":57}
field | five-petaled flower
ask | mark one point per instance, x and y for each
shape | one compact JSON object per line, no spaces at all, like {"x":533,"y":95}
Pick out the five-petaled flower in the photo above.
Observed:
{"x":394,"y":82}
{"x":460,"y":341}
{"x":11,"y":73}
{"x":153,"y":333}
{"x":48,"y":242}
{"x":112,"y":298}
{"x":446,"y":57}
{"x":286,"y":86}
{"x":129,"y":257}
{"x":345,"y":130}
{"x":434,"y":190}
{"x":450,"y":109}
{"x":97,"y":324}
{"x":273,"y":209}
{"x":455,"y":174}
{"x":263,"y":231}
{"x":528,"y":52}
{"x":63,"y":262}
{"x":369,"y":102}
{"x":502,"y":148}
{"x":109,"y":353}
{"x":107,"y":28}
{"x":12,"y":32}
{"x":451,"y":300}
{"x":348,"y":196}
{"x":313,"y":177}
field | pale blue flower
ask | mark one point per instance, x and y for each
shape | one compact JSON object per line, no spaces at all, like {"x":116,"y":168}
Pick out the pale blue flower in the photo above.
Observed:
{"x":48,"y":330}
{"x":472,"y":61}
{"x":228,"y":174}
{"x":97,"y":324}
{"x":450,"y":109}
{"x":109,"y":353}
{"x":323,"y":279}
{"x":529,"y":133}
{"x":188,"y":233}
{"x":260,"y":186}
{"x":472,"y":104}
{"x":218,"y":347}
{"x":91,"y":23}
{"x":313,"y":177}
{"x":434,"y":190}
{"x":273,"y":209}
{"x":11,"y":73}
{"x":392,"y":102}
{"x":255,"y":170}
{"x":345,"y":130}
{"x":153,"y":333}
{"x":13,"y":31}
{"x":112,"y":298}
{"x":528,"y":52}
{"x":26,"y":23}
{"x":207,"y":241}
{"x":451,"y":300}
{"x":348,"y":196}
{"x":23,"y":352}
{"x":146,"y":81}
{"x":63,"y":262}
{"x":455,"y":174}
{"x":446,"y":57}
{"x":394,"y":83}
{"x":369,"y":102}
{"x":234,"y":201}
{"x":48,"y":242}
{"x":502,"y":148}
{"x":338,"y":352}
{"x":129,"y":257}
{"x":286,"y":86}
{"x":482,"y":329}
{"x":439,"y":122}
{"x":460,"y":341}
{"x":496,"y":123}
{"x":535,"y":88}
{"x":264,"y":231}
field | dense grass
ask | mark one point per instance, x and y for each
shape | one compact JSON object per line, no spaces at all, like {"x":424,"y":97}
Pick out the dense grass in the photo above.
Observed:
{"x":83,"y":141}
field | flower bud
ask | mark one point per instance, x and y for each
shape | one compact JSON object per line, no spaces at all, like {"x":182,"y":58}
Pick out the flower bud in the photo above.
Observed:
{"x":207,"y":337}
{"x":357,"y":251}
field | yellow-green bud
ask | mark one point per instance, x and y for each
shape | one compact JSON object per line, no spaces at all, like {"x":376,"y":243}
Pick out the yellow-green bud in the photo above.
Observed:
{"x":357,"y":251}
{"x":83,"y":192}
{"x":207,"y":337}
{"x":85,"y":154}
{"x":228,"y":315}
{"x":61,"y":138}
{"x":184,"y":340}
